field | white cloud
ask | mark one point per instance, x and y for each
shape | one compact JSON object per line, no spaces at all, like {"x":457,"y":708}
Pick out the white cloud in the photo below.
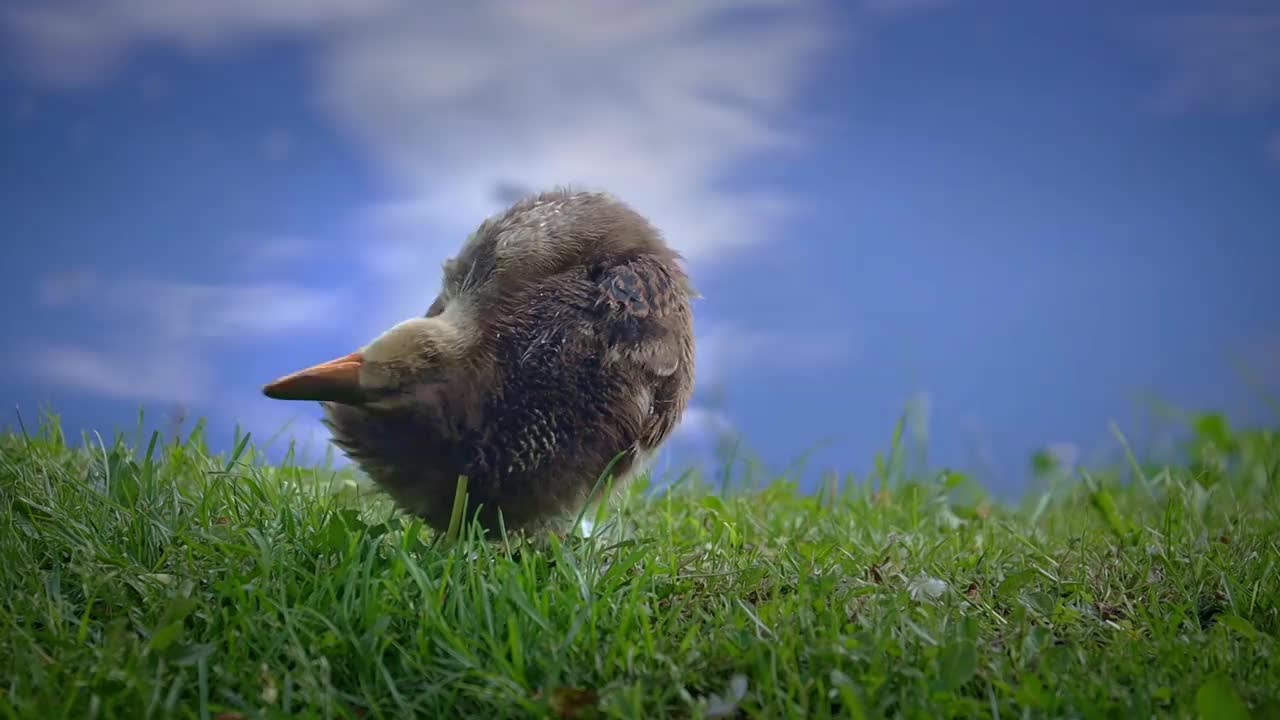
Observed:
{"x":1226,"y":60}
{"x":162,"y":332}
{"x":137,"y":373}
{"x":728,"y":349}
{"x":181,"y":310}
{"x":72,"y":44}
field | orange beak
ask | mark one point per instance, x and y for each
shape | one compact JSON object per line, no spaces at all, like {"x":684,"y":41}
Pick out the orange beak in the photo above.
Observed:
{"x":337,"y":380}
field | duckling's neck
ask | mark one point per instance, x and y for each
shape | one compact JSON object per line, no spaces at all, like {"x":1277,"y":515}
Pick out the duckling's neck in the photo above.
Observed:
{"x":457,"y":330}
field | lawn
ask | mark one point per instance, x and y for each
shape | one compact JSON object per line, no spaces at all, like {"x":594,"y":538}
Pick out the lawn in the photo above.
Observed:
{"x":147,"y":577}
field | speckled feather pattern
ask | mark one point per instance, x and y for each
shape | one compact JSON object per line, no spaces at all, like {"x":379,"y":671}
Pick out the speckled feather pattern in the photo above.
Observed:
{"x":585,"y":351}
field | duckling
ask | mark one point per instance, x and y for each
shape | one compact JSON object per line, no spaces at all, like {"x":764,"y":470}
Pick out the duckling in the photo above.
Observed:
{"x":561,"y":341}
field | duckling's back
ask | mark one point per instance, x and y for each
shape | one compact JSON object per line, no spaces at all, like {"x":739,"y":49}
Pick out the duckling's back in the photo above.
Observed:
{"x":595,"y":366}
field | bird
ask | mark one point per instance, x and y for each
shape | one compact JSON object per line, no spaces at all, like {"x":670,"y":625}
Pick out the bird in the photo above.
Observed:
{"x":560,"y":346}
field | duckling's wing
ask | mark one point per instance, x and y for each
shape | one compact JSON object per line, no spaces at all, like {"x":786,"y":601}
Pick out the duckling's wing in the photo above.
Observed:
{"x":645,"y":311}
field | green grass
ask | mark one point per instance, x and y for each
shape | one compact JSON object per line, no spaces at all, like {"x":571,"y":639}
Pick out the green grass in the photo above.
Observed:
{"x":164,"y":581}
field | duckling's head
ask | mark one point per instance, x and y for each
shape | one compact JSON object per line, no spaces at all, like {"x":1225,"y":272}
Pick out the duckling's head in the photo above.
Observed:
{"x":393,"y":370}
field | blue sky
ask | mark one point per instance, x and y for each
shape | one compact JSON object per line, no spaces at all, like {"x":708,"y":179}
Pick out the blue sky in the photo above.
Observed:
{"x":1020,"y":218}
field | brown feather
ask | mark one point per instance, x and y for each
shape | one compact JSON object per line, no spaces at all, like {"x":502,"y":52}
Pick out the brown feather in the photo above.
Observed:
{"x":572,"y":343}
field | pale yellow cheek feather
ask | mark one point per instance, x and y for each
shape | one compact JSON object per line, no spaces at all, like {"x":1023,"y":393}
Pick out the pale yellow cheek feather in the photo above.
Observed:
{"x":459,"y":327}
{"x":419,"y":345}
